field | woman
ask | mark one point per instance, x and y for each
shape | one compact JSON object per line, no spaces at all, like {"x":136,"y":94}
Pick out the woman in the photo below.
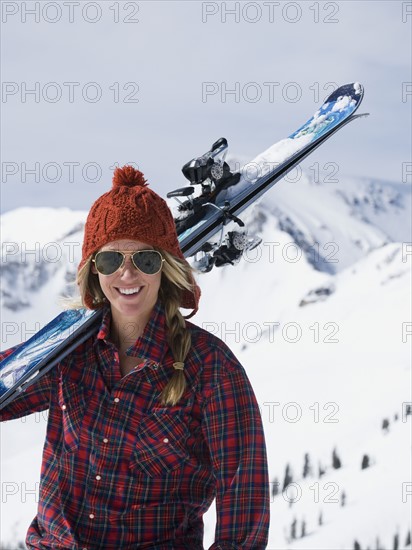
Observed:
{"x":152,"y":418}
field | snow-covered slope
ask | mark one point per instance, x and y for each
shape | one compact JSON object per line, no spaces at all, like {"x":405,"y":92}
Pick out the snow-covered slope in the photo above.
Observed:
{"x":316,"y":216}
{"x":40,"y":251}
{"x":325,"y":344}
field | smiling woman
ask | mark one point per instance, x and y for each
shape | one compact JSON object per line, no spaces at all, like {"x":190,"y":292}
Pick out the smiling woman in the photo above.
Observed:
{"x":152,"y":418}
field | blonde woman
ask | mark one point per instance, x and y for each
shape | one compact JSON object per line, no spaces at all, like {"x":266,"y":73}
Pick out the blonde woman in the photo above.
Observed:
{"x":153,"y":417}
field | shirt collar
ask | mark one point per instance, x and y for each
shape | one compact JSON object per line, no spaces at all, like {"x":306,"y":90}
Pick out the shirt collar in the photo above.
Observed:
{"x":152,"y":344}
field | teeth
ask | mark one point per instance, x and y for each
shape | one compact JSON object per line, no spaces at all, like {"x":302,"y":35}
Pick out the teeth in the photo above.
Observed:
{"x":129,"y":290}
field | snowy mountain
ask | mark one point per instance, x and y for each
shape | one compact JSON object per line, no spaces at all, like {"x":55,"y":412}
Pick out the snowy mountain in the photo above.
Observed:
{"x":320,"y":317}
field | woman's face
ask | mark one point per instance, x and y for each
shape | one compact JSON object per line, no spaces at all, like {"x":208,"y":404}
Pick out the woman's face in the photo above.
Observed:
{"x":142,"y":289}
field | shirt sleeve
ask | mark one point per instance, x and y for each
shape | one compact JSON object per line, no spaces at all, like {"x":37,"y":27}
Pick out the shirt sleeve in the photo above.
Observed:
{"x":232,"y":427}
{"x":34,"y":398}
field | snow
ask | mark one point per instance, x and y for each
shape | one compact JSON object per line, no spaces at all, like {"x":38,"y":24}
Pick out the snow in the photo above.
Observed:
{"x":358,"y":380}
{"x":325,"y":374}
{"x":358,"y":88}
{"x":48,"y":225}
{"x":342,"y":103}
{"x":379,"y":212}
{"x":273,"y":156}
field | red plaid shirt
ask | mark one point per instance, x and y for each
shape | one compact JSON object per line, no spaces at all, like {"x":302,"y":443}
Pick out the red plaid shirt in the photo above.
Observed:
{"x":121,"y":471}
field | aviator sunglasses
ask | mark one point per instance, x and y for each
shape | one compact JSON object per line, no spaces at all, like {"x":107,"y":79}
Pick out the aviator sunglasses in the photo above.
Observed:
{"x":148,"y":262}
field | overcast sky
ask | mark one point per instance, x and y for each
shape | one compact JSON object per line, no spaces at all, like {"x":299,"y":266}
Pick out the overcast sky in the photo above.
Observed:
{"x":155,"y":83}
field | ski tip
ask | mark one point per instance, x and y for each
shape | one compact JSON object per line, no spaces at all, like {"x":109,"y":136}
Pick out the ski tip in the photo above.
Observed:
{"x":352,"y":87}
{"x":357,"y":86}
{"x":354,"y":90}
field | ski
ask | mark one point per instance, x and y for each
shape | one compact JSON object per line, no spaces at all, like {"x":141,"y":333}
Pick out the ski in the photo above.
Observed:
{"x":208,"y":225}
{"x":44,"y":350}
{"x":225,"y":195}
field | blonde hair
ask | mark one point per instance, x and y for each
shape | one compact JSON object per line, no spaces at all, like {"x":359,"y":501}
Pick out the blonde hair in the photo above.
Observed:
{"x":176,"y":277}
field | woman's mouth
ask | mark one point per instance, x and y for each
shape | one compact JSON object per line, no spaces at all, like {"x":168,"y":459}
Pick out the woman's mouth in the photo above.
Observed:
{"x":129,"y":291}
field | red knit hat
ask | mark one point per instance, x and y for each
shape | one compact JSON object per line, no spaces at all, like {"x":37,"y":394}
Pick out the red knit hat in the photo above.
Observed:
{"x":133,"y":211}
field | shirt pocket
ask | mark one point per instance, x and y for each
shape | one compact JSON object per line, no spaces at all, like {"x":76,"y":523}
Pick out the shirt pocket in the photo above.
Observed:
{"x":160,"y":444}
{"x":73,"y":399}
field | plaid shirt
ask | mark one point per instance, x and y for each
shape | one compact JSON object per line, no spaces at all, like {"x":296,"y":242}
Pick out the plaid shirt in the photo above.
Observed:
{"x":121,"y":471}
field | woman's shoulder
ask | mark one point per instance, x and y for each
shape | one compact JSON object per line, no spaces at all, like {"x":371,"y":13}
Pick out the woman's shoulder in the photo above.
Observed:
{"x":209,"y":348}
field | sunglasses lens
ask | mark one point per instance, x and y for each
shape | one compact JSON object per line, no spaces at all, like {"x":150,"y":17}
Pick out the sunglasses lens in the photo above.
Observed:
{"x":148,"y":261}
{"x":108,"y":261}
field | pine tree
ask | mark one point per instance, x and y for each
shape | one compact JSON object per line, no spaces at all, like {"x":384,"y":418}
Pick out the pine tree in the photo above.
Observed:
{"x":321,"y":470}
{"x":336,"y":462}
{"x":303,"y":529}
{"x":356,"y":545}
{"x":365,"y":462}
{"x":293,"y":529}
{"x":275,"y":487}
{"x":288,"y":477}
{"x":396,"y":542}
{"x":306,"y":466}
{"x":408,"y":539}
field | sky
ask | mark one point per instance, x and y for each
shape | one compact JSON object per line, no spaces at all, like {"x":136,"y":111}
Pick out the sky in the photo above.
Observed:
{"x":87,"y":86}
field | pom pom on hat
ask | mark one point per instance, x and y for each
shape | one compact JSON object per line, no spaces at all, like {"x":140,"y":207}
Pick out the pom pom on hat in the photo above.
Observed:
{"x":128,"y":176}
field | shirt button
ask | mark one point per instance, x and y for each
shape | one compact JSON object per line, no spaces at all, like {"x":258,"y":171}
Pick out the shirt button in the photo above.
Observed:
{"x":116,"y":400}
{"x":105,"y":440}
{"x":165,"y":440}
{"x":63,"y":407}
{"x":98,"y":478}
{"x":91,"y":516}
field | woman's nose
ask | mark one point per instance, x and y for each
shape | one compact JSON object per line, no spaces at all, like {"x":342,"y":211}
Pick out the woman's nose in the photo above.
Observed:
{"x":128,"y":268}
